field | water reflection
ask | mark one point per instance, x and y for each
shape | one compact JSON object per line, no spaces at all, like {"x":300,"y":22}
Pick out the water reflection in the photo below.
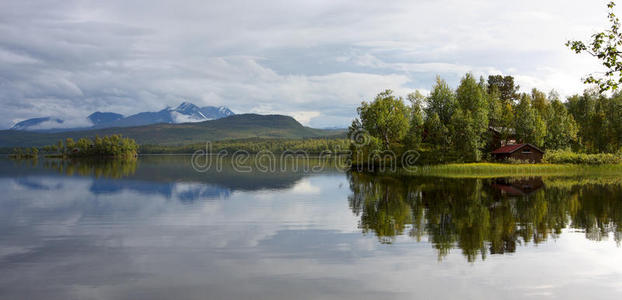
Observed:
{"x":164,"y":231}
{"x":168,"y":176}
{"x":484,"y":216}
{"x":108,"y":168}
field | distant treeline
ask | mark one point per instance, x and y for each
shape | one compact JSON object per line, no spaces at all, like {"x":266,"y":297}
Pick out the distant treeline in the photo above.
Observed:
{"x":311,"y":146}
{"x":468,"y":123}
{"x":107,"y":146}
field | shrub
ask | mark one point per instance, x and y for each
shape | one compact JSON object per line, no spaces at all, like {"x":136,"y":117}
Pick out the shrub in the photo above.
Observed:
{"x":569,"y":157}
{"x":108,"y":146}
{"x":514,"y":161}
{"x":25,"y":153}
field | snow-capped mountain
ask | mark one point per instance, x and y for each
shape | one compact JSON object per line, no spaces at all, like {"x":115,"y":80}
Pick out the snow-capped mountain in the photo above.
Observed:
{"x":214,"y":112}
{"x":38,"y":123}
{"x":188,"y":112}
{"x":184,"y":113}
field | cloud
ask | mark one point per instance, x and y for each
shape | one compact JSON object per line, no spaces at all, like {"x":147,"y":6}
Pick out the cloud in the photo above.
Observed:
{"x":315,"y":60}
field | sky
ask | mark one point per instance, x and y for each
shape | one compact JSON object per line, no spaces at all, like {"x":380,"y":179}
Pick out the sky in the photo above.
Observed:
{"x":313,"y":60}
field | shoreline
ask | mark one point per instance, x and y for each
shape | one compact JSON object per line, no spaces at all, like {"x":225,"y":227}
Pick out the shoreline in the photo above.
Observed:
{"x":483,"y":170}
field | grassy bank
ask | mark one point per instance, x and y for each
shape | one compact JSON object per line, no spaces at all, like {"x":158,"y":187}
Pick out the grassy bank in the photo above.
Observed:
{"x":509,"y":170}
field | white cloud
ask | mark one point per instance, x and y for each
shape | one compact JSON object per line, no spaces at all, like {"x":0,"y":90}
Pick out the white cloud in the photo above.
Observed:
{"x":302,"y":58}
{"x":9,"y":57}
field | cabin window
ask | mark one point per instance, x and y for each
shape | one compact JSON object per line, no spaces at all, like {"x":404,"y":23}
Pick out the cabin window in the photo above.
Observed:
{"x":526,"y":151}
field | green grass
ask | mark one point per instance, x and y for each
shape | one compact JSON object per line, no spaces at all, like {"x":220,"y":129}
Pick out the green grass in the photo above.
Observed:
{"x":484,"y":170}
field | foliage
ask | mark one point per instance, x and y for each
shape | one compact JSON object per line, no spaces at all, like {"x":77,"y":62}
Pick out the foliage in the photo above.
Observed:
{"x":569,"y":157}
{"x":416,"y":127}
{"x":442,"y":101}
{"x":470,"y":121}
{"x":108,"y":146}
{"x":437,"y":132}
{"x":561,"y":128}
{"x":604,"y":46}
{"x":508,"y":92}
{"x":467,"y":124}
{"x":495,"y":108}
{"x":25,"y":153}
{"x":514,"y":161}
{"x":530,"y":128}
{"x":385,"y":118}
{"x":599,"y":121}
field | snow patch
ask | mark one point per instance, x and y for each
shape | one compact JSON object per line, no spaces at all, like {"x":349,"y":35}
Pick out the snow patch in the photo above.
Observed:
{"x":183,"y":118}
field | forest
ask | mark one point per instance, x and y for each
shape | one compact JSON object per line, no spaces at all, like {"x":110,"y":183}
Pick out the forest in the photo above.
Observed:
{"x":108,"y":146}
{"x":467,"y":123}
{"x":255,"y":145}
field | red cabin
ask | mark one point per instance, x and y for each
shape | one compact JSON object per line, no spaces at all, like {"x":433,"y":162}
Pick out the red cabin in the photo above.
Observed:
{"x":524,"y":152}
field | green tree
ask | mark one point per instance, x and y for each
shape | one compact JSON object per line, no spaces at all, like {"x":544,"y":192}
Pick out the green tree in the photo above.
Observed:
{"x":470,"y":121}
{"x":415,"y":132}
{"x":437,"y":133}
{"x":505,"y":84}
{"x":599,"y":121}
{"x":60,"y":148}
{"x":506,"y":123}
{"x":416,"y":98}
{"x":69,"y":144}
{"x":109,"y":146}
{"x":18,"y":152}
{"x":604,"y":46}
{"x":386,"y":118}
{"x":442,"y":101}
{"x":495,"y":108}
{"x":465,"y":140}
{"x":561,"y":127}
{"x":529,"y":126}
{"x":540,"y":102}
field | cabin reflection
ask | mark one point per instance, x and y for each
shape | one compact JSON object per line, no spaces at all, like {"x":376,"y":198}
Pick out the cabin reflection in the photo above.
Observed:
{"x":517,"y":187}
{"x":483,"y":216}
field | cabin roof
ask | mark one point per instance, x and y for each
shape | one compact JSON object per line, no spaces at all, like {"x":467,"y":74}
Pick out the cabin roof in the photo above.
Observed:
{"x":509,"y":149}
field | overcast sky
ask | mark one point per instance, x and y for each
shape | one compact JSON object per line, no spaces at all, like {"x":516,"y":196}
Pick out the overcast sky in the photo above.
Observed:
{"x":314,"y":60}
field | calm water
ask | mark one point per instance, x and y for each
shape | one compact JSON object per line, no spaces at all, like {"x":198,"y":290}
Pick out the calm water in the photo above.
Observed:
{"x":156,"y":229}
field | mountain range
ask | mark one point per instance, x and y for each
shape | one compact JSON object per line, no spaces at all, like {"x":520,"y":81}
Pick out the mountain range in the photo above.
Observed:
{"x":242,"y":126}
{"x":184,"y":113}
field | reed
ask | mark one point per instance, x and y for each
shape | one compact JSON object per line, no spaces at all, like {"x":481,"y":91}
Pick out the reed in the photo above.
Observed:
{"x":511,"y":170}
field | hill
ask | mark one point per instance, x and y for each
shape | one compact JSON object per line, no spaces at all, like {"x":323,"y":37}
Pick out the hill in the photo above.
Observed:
{"x":233,"y":127}
{"x":35,"y":123}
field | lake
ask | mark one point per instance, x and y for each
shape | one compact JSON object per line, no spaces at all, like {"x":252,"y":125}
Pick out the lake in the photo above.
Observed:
{"x":157,"y":228}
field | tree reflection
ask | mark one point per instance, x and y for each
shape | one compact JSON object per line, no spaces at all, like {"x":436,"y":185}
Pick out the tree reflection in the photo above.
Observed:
{"x":107,"y":168}
{"x":484,"y":216}
{"x":382,"y":204}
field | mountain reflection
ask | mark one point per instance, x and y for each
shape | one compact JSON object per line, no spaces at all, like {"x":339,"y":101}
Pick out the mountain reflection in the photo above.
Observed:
{"x":168,"y":176}
{"x":164,"y":170}
{"x":484,"y":216}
